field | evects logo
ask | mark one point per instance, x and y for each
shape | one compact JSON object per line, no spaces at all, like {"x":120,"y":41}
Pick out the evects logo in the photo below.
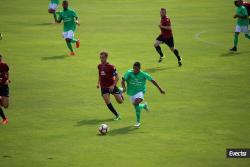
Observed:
{"x":238,"y":153}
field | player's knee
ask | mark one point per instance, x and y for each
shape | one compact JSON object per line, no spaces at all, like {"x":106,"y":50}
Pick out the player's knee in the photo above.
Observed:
{"x":51,"y":11}
{"x":156,"y":45}
{"x":68,"y":40}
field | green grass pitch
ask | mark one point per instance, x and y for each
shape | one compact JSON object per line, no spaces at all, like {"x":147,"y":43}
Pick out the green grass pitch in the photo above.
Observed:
{"x":55,"y":108}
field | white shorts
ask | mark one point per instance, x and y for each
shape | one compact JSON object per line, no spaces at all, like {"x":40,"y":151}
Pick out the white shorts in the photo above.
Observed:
{"x":68,"y":34}
{"x":242,"y":29}
{"x":139,"y":95}
{"x":53,"y":6}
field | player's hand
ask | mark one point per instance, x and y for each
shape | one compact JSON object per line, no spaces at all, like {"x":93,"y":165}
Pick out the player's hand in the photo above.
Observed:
{"x":77,"y":22}
{"x":7,"y":82}
{"x":235,"y":16}
{"x":97,"y":86}
{"x":111,"y":88}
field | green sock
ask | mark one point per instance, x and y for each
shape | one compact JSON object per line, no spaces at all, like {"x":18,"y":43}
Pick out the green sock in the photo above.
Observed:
{"x":74,"y":40}
{"x":142,"y":106}
{"x":247,"y":36}
{"x":69,"y":46}
{"x":235,"y":40}
{"x":54,"y":14}
{"x":138,"y":113}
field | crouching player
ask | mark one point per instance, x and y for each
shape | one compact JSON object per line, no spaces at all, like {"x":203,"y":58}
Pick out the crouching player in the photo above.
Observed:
{"x":4,"y":89}
{"x":107,"y":80}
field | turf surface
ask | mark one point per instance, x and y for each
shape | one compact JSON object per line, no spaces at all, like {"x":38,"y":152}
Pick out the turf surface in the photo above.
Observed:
{"x":56,"y":110}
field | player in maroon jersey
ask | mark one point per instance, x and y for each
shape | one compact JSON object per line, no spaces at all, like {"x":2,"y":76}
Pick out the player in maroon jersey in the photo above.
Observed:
{"x":4,"y":89}
{"x":166,"y":37}
{"x":107,"y":80}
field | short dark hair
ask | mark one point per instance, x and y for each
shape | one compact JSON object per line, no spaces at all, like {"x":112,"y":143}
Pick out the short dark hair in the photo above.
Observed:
{"x":65,"y":1}
{"x":137,"y":64}
{"x":104,"y":53}
{"x":164,"y":9}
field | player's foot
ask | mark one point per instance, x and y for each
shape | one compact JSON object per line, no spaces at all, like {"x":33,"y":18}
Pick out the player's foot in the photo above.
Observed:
{"x":78,"y":43}
{"x":234,"y":49}
{"x":117,"y":118}
{"x":5,"y":121}
{"x":160,"y":59}
{"x":72,"y":54}
{"x":146,"y":107}
{"x":180,"y":62}
{"x":137,"y":124}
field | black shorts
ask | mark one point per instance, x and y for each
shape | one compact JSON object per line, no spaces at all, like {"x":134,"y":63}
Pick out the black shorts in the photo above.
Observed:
{"x":106,"y":90}
{"x":4,"y":90}
{"x":168,"y":41}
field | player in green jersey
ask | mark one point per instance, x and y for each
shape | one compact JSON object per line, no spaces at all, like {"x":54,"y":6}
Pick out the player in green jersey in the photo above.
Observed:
{"x":136,"y":88}
{"x":53,"y":5}
{"x":70,"y":19}
{"x":241,"y":24}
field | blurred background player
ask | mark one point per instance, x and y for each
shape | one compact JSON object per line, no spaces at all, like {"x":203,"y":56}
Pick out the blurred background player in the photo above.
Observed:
{"x":166,"y":37}
{"x":136,"y":88}
{"x":247,"y":6}
{"x":70,"y":19}
{"x":241,"y":24}
{"x":107,"y":80}
{"x":4,"y":89}
{"x":53,"y":5}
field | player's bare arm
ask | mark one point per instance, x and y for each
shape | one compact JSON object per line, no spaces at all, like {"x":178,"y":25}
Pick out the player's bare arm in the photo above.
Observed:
{"x":116,"y":79}
{"x":77,"y":21}
{"x":123,"y":85}
{"x":98,"y":82}
{"x":157,"y":85}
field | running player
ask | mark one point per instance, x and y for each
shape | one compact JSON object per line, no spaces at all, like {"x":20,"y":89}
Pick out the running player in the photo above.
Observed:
{"x":4,"y":89}
{"x":241,"y":24}
{"x":53,"y":7}
{"x":166,"y":37}
{"x":107,"y":80}
{"x":136,"y":88}
{"x":70,"y":19}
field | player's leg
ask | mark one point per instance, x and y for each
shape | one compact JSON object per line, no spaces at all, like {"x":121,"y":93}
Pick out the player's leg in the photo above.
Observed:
{"x":236,"y":38}
{"x":106,"y":98}
{"x":170,"y":43}
{"x":73,"y":39}
{"x":68,"y":37}
{"x":118,"y":95}
{"x":246,"y":32}
{"x":158,"y":48}
{"x":4,"y":102}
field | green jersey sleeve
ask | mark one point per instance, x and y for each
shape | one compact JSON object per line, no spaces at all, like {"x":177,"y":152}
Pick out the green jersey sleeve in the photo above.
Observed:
{"x":147,"y":76}
{"x":74,"y":14}
{"x":126,"y":75}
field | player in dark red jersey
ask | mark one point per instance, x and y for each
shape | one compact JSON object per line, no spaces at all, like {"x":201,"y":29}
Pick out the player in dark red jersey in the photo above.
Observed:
{"x":107,"y":80}
{"x":4,"y":89}
{"x":166,"y":37}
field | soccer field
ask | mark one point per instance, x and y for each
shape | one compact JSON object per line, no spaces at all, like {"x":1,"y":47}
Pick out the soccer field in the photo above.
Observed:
{"x":55,"y":108}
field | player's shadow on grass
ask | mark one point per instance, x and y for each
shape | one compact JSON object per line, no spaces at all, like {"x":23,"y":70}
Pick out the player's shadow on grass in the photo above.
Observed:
{"x":93,"y":121}
{"x":44,"y":24}
{"x":55,"y":57}
{"x":233,"y":53}
{"x":157,"y":69}
{"x":122,"y":131}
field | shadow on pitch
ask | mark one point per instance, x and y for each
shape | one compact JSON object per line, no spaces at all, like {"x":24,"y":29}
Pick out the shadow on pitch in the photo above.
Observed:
{"x":157,"y":69}
{"x":93,"y":121}
{"x":233,"y":53}
{"x":44,"y":24}
{"x":55,"y":57}
{"x":122,"y":131}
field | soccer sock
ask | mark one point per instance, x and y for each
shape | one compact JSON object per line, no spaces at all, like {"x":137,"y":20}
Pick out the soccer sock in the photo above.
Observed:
{"x":247,"y":36}
{"x":158,"y":49}
{"x":2,"y":113}
{"x":176,"y":52}
{"x":138,"y":113}
{"x":112,"y":109}
{"x":54,"y":14}
{"x":235,"y":40}
{"x":142,"y":106}
{"x":69,"y":46}
{"x":74,"y":40}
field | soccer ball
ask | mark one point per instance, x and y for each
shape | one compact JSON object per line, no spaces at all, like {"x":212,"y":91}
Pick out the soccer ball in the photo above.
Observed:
{"x":103,"y":129}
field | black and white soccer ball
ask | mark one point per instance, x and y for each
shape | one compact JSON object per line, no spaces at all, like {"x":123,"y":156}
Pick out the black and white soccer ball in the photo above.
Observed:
{"x":103,"y":129}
